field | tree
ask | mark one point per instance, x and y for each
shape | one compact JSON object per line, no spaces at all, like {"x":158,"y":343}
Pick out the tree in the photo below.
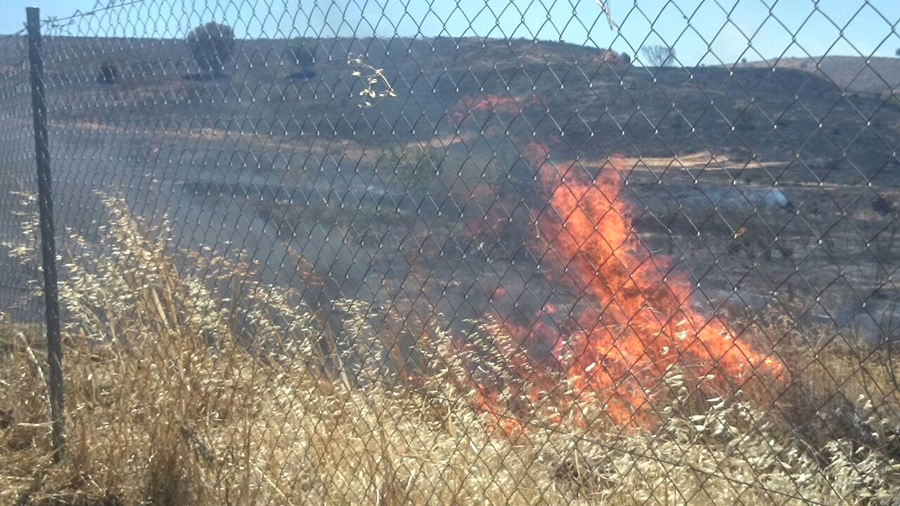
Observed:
{"x":897,"y":52}
{"x":211,"y":45}
{"x":659,"y":56}
{"x":303,"y":56}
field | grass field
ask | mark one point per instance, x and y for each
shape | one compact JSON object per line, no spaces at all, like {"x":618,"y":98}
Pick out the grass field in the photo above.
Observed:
{"x":168,"y":405}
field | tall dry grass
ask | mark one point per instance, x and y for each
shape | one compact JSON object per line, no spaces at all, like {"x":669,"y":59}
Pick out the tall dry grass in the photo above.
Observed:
{"x":170,"y":403}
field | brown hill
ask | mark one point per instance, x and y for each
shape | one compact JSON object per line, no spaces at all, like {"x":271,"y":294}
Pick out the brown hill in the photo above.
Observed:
{"x":876,"y":76}
{"x":599,"y":104}
{"x":703,"y":147}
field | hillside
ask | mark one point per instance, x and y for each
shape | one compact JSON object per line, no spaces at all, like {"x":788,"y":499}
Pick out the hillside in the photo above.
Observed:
{"x":689,"y":109}
{"x":703,"y":147}
{"x":662,"y":112}
{"x":878,"y":76}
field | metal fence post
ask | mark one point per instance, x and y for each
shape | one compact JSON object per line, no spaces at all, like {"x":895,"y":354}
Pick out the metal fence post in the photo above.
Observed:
{"x":48,"y":244}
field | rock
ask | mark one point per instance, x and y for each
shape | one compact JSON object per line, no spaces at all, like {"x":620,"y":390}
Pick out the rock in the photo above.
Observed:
{"x":777,"y":199}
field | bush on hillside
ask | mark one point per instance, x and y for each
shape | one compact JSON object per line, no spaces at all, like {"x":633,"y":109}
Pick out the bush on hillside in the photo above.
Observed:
{"x":303,"y":56}
{"x":211,"y":45}
{"x":108,"y":74}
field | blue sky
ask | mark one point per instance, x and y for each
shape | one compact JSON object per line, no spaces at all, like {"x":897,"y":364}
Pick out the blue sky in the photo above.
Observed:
{"x":702,"y":31}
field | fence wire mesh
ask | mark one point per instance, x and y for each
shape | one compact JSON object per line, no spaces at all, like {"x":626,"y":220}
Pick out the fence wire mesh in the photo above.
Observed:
{"x":476,"y":253}
{"x":20,"y":283}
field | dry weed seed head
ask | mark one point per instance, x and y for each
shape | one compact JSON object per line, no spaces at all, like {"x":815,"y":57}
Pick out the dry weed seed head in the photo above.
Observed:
{"x":375,"y":85}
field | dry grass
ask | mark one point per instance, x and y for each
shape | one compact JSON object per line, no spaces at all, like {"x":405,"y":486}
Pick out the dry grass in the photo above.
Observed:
{"x":168,"y":405}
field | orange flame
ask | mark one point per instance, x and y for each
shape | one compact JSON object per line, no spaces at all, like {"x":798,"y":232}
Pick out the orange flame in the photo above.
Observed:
{"x":632,"y":317}
{"x":635,"y":317}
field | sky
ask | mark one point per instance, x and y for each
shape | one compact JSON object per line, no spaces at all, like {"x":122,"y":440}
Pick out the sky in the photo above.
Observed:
{"x":701,"y":31}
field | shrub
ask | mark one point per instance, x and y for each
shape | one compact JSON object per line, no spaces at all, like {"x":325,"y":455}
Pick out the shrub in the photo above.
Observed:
{"x":303,"y":56}
{"x":211,"y":45}
{"x":109,"y":73}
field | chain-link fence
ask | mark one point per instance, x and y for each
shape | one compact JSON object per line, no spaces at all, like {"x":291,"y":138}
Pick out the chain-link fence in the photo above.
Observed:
{"x":20,"y":280}
{"x":475,"y":253}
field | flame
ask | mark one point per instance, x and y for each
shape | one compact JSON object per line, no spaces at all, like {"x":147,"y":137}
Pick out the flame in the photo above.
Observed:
{"x":635,"y":316}
{"x":631,"y":320}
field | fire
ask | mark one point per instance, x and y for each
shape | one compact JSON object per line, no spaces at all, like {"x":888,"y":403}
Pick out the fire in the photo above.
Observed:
{"x":631,"y":318}
{"x":636,"y":318}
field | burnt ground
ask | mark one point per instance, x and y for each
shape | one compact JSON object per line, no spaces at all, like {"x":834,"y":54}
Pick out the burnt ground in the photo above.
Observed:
{"x":414,"y":205}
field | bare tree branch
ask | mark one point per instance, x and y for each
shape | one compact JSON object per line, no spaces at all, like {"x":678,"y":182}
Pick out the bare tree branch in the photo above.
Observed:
{"x":659,"y":56}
